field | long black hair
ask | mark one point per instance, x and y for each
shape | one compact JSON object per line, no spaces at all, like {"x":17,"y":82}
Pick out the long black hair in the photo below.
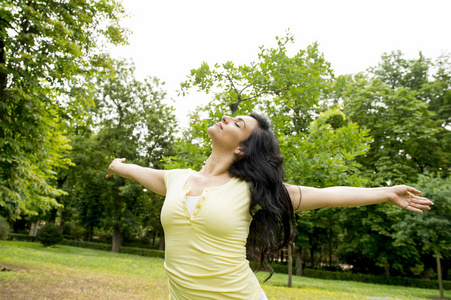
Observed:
{"x":272,"y":226}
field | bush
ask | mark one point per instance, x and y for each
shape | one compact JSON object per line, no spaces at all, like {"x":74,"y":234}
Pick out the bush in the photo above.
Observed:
{"x":142,"y":252}
{"x":22,"y":237}
{"x":88,"y":245}
{"x":4,"y":229}
{"x":399,"y":281}
{"x":107,"y":247}
{"x":49,"y":235}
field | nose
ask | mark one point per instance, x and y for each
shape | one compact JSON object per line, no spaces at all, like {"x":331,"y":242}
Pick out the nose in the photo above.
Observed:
{"x":225,"y":119}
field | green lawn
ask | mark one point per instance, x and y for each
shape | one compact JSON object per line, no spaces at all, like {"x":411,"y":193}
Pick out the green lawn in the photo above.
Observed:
{"x":62,"y":272}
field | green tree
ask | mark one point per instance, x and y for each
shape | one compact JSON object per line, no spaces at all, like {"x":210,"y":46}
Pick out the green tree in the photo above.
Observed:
{"x":284,"y":87}
{"x":319,"y":144}
{"x":396,"y":102}
{"x":85,"y":186}
{"x":47,"y":50}
{"x":405,"y":136}
{"x":430,"y":234}
{"x":133,"y":122}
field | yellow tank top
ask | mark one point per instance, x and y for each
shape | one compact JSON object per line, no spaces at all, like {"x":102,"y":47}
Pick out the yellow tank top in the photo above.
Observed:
{"x":205,"y":255}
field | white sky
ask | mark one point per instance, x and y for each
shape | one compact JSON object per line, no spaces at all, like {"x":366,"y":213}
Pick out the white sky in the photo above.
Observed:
{"x":171,"y":37}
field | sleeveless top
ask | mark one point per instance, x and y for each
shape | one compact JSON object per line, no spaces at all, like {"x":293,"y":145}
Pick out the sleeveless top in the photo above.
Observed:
{"x":205,"y":255}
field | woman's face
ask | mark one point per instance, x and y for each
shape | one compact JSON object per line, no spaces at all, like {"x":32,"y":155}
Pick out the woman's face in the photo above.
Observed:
{"x":232,"y":131}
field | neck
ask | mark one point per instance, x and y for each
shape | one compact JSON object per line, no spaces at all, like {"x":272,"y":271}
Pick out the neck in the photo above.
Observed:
{"x":217,"y":164}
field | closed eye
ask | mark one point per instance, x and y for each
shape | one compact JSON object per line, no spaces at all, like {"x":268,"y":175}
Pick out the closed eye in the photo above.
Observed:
{"x":237,"y":125}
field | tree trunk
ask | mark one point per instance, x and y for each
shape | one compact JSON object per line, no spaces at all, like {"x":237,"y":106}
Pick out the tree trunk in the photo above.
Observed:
{"x":33,"y":229}
{"x":299,"y":263}
{"x":330,"y":242}
{"x":161,"y":241}
{"x":90,"y":232}
{"x":428,"y":262}
{"x":3,"y":76}
{"x":427,"y":273}
{"x":387,"y":270}
{"x":439,"y":273}
{"x":290,"y":267}
{"x":312,"y":258}
{"x":117,"y":239}
{"x":53,"y":215}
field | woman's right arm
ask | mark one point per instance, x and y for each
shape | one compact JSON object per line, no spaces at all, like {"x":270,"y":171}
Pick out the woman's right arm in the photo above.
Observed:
{"x":150,"y":178}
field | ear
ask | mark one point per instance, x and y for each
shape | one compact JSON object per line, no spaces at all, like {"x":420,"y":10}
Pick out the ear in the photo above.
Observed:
{"x":239,"y":151}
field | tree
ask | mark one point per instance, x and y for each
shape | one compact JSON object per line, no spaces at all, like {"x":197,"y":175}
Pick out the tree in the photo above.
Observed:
{"x":396,"y":102}
{"x":47,"y":50}
{"x":430,"y":234}
{"x":405,"y":136}
{"x":132,"y":122}
{"x":85,"y":185}
{"x":319,"y":144}
{"x":284,"y":87}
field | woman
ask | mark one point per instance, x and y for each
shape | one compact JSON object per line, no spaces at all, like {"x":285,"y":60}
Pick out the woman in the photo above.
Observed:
{"x":238,"y":208}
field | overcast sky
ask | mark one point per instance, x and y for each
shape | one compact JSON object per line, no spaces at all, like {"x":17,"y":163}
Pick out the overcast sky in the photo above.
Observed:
{"x":172,"y":37}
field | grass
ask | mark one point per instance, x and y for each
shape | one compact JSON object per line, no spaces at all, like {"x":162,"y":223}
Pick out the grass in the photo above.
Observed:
{"x":62,"y":272}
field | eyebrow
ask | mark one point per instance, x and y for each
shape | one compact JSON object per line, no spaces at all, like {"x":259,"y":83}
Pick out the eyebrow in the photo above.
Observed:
{"x":241,"y":119}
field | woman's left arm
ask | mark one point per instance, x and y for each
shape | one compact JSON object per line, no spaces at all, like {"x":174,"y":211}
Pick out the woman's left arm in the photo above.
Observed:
{"x":308,"y":198}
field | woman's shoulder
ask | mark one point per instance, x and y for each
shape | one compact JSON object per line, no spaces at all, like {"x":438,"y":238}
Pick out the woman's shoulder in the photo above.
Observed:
{"x":175,"y":174}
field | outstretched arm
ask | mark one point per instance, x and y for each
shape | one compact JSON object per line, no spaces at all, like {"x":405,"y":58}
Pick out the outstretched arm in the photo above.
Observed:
{"x":149,"y":178}
{"x":401,"y":195}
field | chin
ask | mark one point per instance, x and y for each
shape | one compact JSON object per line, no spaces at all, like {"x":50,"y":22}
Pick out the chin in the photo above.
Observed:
{"x":210,"y":130}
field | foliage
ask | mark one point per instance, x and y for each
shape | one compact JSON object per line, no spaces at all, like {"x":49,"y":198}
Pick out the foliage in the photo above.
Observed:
{"x":107,"y":247}
{"x":404,"y":134}
{"x":319,"y":143}
{"x":324,"y":156}
{"x":50,"y":234}
{"x":4,"y":229}
{"x":367,"y":242}
{"x":295,"y":83}
{"x":287,"y":89}
{"x":431,"y":231}
{"x":348,"y":276}
{"x":132,"y":120}
{"x":21,"y":237}
{"x":398,"y":103}
{"x":48,"y":52}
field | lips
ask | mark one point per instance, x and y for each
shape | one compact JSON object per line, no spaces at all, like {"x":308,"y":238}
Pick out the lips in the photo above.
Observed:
{"x":219,"y":125}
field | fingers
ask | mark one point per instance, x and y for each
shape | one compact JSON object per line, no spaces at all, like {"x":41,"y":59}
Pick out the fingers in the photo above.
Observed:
{"x":414,"y":209}
{"x":413,"y":190}
{"x":421,"y":206}
{"x":418,"y":204}
{"x":110,"y":172}
{"x":421,"y":200}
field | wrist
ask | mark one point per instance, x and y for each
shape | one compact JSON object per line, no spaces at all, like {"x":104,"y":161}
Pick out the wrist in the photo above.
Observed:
{"x":390,"y":194}
{"x":386,"y":194}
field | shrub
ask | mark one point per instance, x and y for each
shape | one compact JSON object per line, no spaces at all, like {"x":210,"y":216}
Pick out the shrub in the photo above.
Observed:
{"x":89,"y":245}
{"x":107,"y":247}
{"x":399,"y":281}
{"x":22,"y":237}
{"x":49,"y":235}
{"x":4,"y":229}
{"x":142,"y":252}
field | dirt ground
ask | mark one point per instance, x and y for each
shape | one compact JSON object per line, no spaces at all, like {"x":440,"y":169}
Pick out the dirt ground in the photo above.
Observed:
{"x":29,"y":283}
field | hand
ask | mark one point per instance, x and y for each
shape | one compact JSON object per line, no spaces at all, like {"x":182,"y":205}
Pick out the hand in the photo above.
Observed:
{"x":112,"y":165}
{"x":405,"y":197}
